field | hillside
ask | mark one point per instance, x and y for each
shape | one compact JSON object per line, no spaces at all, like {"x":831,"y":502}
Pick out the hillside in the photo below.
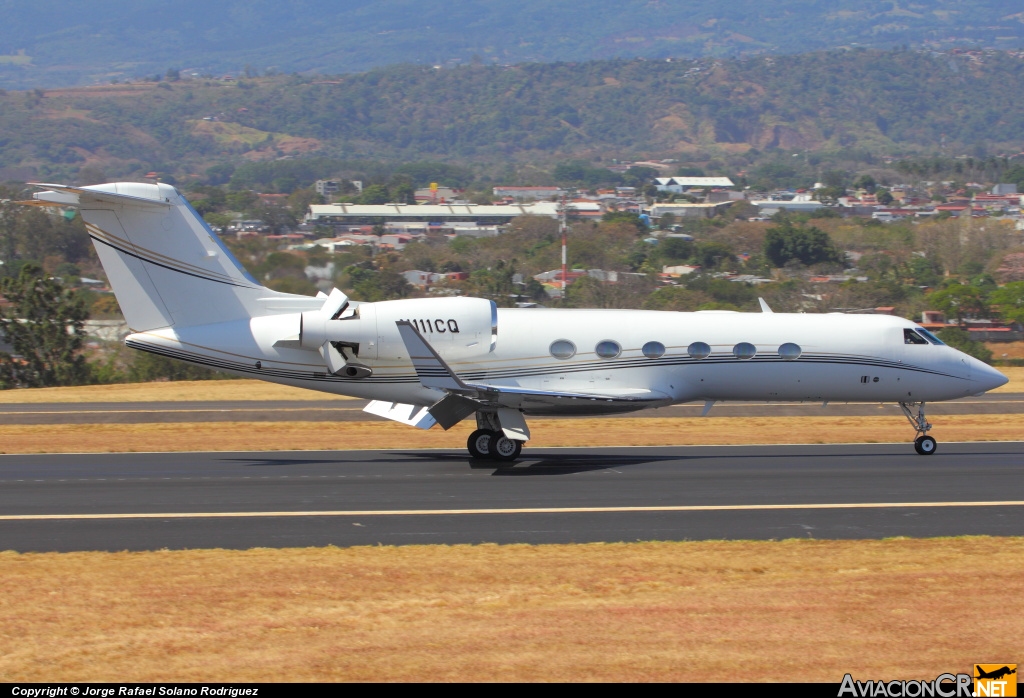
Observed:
{"x":737,"y":110}
{"x":49,"y":43}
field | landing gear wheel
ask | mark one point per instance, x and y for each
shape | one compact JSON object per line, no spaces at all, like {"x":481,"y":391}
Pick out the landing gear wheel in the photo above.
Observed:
{"x":505,"y":449}
{"x":925,"y":445}
{"x":479,"y":443}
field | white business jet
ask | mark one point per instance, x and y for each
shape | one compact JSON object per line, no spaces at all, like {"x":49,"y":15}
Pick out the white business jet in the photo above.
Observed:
{"x":441,"y":360}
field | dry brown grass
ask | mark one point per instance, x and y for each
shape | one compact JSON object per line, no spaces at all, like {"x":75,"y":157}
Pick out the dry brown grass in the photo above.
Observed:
{"x":1006,"y":350}
{"x":175,"y":391}
{"x":692,"y":611}
{"x":663,"y":431}
{"x":239,"y":390}
{"x":1016,"y":376}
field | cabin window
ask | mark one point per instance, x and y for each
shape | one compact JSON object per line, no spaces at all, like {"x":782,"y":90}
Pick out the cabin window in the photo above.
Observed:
{"x":562,"y":349}
{"x":911,"y":337}
{"x":608,"y":349}
{"x":653,"y":350}
{"x":699,"y":350}
{"x":929,"y":336}
{"x":790,"y":351}
{"x":744,"y":350}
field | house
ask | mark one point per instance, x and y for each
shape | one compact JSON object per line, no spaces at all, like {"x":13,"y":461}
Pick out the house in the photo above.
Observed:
{"x":426,"y":279}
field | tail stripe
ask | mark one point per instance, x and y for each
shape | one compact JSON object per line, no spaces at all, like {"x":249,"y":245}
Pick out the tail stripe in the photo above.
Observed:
{"x":150,"y":257}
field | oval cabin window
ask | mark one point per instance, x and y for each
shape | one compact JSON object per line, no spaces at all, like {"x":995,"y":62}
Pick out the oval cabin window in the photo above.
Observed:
{"x":653,"y":350}
{"x":744,"y":350}
{"x":790,"y":351}
{"x":563,"y":349}
{"x":699,"y":350}
{"x":607,"y":349}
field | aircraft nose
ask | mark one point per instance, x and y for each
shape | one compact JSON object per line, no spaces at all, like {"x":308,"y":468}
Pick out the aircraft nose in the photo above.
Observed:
{"x":984,"y":377}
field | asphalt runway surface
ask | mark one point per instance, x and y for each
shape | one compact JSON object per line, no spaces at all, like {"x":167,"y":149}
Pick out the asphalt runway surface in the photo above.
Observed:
{"x":552,"y":495}
{"x":351,"y":410}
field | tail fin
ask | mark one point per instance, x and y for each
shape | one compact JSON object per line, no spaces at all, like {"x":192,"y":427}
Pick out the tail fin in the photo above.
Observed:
{"x":165,"y":265}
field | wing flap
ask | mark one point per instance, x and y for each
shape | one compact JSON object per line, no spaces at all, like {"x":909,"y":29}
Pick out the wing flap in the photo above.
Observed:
{"x":413,"y":415}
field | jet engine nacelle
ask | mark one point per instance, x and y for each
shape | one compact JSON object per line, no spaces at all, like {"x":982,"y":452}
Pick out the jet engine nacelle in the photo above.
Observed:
{"x":457,"y":328}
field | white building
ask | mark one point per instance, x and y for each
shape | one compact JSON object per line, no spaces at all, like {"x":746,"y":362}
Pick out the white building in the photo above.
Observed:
{"x":438,"y":215}
{"x":679,"y":185}
{"x":327,"y":187}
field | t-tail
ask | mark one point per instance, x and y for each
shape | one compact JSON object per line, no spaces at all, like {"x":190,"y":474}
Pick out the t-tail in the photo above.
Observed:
{"x":165,"y":265}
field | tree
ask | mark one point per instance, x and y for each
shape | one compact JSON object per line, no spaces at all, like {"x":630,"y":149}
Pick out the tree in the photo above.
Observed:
{"x":1010,"y":299}
{"x":625,"y":217}
{"x":806,"y":244}
{"x":375,"y":194}
{"x":866,"y":182}
{"x":960,"y":339}
{"x":43,"y":323}
{"x":959,"y":301}
{"x":829,"y":194}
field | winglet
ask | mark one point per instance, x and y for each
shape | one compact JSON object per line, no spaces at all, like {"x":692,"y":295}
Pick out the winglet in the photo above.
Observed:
{"x":764,"y":306}
{"x":432,"y":370}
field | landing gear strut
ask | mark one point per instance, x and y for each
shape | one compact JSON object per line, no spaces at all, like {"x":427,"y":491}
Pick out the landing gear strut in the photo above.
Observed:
{"x":923,"y":444}
{"x":490,"y":442}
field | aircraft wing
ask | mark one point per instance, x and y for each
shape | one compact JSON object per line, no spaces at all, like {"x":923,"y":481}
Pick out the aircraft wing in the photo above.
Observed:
{"x":434,"y":372}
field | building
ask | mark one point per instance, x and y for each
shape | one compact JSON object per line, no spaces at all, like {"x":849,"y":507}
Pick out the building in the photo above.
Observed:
{"x":800,"y":202}
{"x":680,"y":185}
{"x":688,"y":210}
{"x":428,"y":216}
{"x":327,"y":187}
{"x":443,"y":195}
{"x":528,"y":193}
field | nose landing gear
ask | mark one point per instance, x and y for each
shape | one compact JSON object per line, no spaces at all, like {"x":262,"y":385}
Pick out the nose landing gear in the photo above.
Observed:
{"x":923,"y":444}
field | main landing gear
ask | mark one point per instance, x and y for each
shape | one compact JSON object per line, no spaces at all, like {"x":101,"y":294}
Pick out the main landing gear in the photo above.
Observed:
{"x":490,"y":442}
{"x":923,"y":444}
{"x":487,"y":443}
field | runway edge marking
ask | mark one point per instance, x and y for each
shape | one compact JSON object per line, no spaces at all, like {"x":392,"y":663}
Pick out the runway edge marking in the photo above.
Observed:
{"x":480,"y":512}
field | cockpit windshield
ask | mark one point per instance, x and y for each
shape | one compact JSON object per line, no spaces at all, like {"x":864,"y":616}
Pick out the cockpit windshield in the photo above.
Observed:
{"x":919,"y":335}
{"x":930,"y":337}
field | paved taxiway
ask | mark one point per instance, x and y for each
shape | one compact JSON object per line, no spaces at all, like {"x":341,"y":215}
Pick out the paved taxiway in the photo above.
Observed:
{"x":352,"y":410}
{"x":283,"y":499}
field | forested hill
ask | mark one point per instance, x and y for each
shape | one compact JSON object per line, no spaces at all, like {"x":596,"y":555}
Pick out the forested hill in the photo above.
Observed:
{"x":878,"y":102}
{"x":52,"y":43}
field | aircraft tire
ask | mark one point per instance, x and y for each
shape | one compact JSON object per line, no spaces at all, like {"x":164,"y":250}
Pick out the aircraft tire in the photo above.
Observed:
{"x":505,"y":449}
{"x":479,"y":443}
{"x":925,"y":445}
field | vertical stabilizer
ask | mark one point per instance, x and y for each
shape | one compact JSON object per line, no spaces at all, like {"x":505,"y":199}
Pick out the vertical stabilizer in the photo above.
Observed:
{"x":165,"y":265}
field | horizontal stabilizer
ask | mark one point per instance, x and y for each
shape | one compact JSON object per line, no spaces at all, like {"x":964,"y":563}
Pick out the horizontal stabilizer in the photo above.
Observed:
{"x":413,"y":415}
{"x":64,"y":195}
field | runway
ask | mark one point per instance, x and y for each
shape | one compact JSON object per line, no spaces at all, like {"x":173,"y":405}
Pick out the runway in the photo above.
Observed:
{"x":396,"y":497}
{"x":352,"y":410}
